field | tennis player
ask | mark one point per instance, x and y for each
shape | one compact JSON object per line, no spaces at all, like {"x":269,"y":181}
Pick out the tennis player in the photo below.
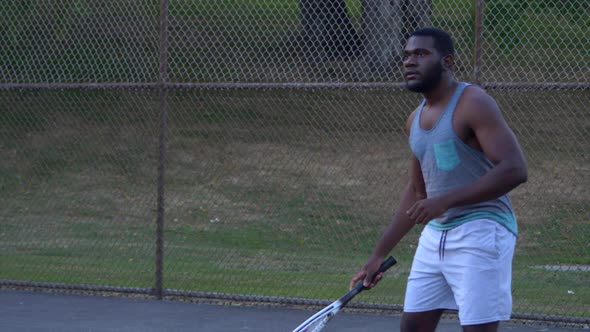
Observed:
{"x":465,"y":161}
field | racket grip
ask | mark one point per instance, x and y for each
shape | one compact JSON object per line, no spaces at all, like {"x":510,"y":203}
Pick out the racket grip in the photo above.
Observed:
{"x":389,"y":262}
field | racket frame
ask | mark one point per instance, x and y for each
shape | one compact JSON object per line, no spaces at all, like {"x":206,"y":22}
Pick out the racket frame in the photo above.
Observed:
{"x":327,"y":313}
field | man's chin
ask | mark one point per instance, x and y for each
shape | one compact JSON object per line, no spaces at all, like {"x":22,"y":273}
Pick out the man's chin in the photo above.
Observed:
{"x":415,"y":86}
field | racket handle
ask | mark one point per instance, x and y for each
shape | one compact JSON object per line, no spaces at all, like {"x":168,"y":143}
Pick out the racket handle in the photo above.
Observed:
{"x":389,"y":262}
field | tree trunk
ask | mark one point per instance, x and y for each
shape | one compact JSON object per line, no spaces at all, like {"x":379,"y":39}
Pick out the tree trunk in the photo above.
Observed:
{"x":386,"y":26}
{"x":382,"y":24}
{"x":416,"y":15}
{"x":328,"y":32}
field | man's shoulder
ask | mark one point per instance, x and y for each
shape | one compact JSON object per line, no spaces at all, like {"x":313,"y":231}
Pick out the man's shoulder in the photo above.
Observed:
{"x":474,"y":92}
{"x":476,"y":97}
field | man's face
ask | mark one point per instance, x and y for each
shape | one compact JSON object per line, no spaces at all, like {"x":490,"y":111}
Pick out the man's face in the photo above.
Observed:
{"x":422,"y":64}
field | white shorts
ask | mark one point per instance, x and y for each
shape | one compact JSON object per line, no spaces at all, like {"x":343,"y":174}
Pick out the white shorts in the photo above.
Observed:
{"x":468,"y":268}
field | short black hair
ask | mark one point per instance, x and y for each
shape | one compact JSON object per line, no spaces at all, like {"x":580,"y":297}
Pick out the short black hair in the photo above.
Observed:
{"x":443,"y":42}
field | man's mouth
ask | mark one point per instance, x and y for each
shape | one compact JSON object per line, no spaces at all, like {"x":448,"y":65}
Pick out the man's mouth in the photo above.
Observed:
{"x":411,"y":76}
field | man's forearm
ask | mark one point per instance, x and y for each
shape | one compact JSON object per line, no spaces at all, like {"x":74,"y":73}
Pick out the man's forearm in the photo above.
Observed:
{"x":399,"y":226}
{"x":499,"y":181}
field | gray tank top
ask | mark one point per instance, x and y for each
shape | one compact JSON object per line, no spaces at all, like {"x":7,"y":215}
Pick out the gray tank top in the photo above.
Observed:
{"x":448,"y":163}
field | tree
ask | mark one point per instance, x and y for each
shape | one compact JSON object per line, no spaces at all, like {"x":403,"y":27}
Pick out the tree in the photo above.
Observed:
{"x":386,"y":26}
{"x":415,"y":14}
{"x":381,"y":22}
{"x":327,"y":30}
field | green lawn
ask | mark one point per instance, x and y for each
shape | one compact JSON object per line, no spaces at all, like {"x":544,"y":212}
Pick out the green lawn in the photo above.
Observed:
{"x":258,"y":202}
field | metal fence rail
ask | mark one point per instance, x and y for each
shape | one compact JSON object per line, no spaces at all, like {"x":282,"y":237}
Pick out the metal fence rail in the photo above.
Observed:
{"x":253,"y":150}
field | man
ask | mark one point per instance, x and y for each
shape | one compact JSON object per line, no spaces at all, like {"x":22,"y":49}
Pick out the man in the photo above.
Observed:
{"x":465,"y":161}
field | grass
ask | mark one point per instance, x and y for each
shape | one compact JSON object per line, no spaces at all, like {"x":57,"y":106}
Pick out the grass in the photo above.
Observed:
{"x":259,"y":202}
{"x":566,"y":290}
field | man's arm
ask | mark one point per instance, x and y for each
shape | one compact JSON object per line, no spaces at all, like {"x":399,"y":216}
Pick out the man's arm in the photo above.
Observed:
{"x":481,"y":114}
{"x":400,"y":225}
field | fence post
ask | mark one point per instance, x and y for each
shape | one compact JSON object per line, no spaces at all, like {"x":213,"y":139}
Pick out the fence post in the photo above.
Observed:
{"x":478,"y":40}
{"x":163,"y":122}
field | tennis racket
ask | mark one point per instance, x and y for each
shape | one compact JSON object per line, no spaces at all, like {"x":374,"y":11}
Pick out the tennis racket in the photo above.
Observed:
{"x":319,"y":320}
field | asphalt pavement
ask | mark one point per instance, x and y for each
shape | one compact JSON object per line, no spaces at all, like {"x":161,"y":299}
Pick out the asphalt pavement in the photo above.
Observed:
{"x":64,"y":312}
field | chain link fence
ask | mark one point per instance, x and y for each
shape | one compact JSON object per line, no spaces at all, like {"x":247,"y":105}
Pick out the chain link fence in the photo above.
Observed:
{"x":255,"y":150}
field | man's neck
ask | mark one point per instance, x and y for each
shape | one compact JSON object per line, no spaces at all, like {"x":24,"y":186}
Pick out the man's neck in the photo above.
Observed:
{"x":442,"y":93}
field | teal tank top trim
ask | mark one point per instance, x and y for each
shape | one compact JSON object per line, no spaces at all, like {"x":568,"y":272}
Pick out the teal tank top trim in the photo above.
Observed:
{"x":507,"y":220}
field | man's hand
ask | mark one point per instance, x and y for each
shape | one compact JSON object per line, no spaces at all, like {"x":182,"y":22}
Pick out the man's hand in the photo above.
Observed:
{"x":368,"y":270}
{"x":425,"y":210}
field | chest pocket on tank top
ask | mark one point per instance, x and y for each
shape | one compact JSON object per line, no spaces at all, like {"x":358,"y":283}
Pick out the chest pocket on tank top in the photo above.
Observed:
{"x":446,"y":155}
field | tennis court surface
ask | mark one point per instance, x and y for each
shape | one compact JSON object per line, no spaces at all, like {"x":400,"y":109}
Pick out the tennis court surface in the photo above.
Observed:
{"x":38,"y":311}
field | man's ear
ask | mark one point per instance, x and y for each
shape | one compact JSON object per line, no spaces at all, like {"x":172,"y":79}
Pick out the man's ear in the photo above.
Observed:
{"x":448,"y":61}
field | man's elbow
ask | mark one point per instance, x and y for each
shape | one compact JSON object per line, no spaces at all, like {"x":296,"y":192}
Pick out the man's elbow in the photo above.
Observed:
{"x":515,"y":173}
{"x":517,"y":170}
{"x":521,"y":174}
{"x":524,"y":177}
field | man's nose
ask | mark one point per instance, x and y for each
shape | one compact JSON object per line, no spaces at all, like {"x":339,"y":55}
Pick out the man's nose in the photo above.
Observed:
{"x":409,"y":61}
